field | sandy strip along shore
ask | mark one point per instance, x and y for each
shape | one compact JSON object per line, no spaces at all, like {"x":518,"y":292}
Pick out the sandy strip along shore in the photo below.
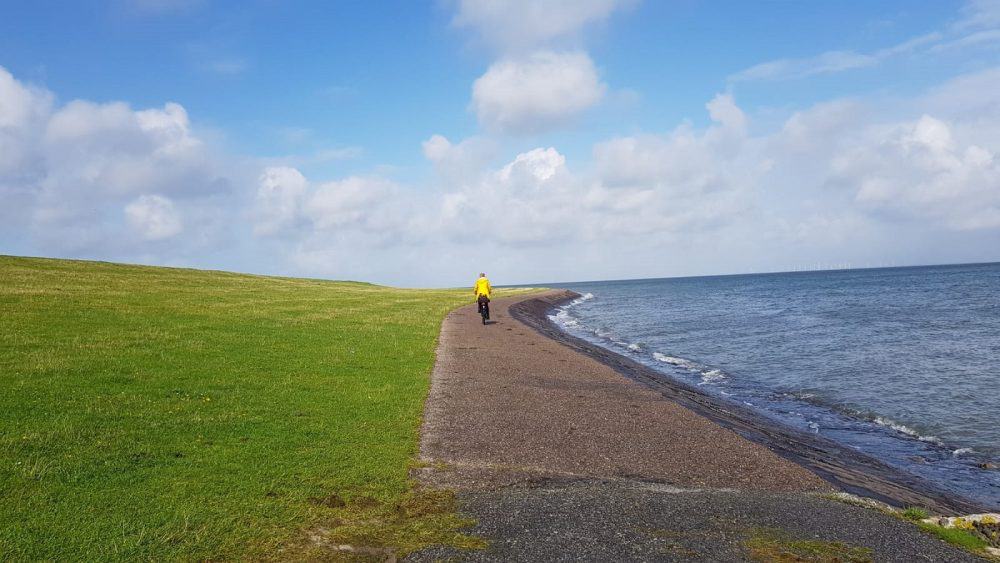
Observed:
{"x":563,"y":450}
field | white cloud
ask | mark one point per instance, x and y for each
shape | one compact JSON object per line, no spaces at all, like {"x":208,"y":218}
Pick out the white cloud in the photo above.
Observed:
{"x":113,"y":149}
{"x":153,"y":217}
{"x":462,"y":161}
{"x":919,"y":169}
{"x":23,"y":110}
{"x":279,"y":197}
{"x":833,"y":179}
{"x":723,"y":109}
{"x":288,"y":205}
{"x":84,"y":176}
{"x":437,"y":148}
{"x":20,"y":104}
{"x":543,"y":90}
{"x":524,"y":25}
{"x":978,"y":14}
{"x":842,"y":180}
{"x":357,"y":202}
{"x":543,"y":78}
{"x":533,"y":167}
{"x":978,"y":26}
{"x":989,"y":38}
{"x":825,"y":63}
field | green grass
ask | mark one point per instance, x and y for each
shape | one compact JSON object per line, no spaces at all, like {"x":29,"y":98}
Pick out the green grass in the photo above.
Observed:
{"x":180,"y":414}
{"x":956,"y":536}
{"x":914,"y":513}
{"x":772,"y":545}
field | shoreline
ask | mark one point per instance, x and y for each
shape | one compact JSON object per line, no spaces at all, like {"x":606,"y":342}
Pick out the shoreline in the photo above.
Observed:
{"x":838,"y":465}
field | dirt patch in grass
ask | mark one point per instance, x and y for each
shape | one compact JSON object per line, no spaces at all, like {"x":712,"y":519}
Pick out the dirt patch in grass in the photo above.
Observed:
{"x":369,"y":528}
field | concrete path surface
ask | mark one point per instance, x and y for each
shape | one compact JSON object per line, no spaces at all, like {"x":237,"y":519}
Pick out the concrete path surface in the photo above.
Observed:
{"x":559,"y":457}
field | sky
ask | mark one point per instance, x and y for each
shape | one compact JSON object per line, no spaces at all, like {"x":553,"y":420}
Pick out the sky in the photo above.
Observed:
{"x":419,"y":143}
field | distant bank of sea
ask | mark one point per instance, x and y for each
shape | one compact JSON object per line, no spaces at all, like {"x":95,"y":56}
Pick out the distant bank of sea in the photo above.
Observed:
{"x":899,"y":363}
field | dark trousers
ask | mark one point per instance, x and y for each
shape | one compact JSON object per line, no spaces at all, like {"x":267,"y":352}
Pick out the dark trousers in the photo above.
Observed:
{"x":484,"y":305}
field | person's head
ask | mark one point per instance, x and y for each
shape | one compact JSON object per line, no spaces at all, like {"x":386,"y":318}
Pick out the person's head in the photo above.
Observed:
{"x":482,"y":275}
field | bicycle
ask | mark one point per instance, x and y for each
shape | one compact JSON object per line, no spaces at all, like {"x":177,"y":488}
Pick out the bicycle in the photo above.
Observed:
{"x":484,"y":307}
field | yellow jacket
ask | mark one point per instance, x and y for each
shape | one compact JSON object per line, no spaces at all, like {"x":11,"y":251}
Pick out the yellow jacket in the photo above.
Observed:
{"x":482,"y":287}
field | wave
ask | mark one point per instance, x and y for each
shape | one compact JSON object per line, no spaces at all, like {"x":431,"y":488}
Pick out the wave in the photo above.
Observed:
{"x":675,"y":361}
{"x":813,"y":405}
{"x":564,"y":319}
{"x":904,"y":429}
{"x":714,"y":376}
{"x":816,"y":400}
{"x":708,"y":375}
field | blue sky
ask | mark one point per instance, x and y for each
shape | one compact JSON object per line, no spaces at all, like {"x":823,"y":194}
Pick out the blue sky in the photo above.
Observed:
{"x":414,"y":142}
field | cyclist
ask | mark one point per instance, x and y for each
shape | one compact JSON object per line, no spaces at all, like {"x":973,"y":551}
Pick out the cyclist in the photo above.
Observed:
{"x":483,"y":292}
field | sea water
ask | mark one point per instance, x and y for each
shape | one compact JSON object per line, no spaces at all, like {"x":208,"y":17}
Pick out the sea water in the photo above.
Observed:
{"x":900,"y":363}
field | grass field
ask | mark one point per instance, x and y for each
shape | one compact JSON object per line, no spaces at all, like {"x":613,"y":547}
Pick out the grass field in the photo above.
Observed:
{"x":180,"y":414}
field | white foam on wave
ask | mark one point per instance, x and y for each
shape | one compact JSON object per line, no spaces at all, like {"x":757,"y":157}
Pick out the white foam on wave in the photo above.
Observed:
{"x":712,"y":376}
{"x":709,"y":376}
{"x":564,"y":319}
{"x":635,"y":347}
{"x":962,"y":452}
{"x":609,"y":335}
{"x":904,"y":429}
{"x":604,"y":333}
{"x":675,"y":361}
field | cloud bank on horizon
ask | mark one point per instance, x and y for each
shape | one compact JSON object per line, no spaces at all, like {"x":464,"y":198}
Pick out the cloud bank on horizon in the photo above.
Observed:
{"x":866,"y":179}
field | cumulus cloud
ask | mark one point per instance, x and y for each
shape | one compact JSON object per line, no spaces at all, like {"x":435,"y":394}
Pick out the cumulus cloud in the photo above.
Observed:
{"x":845,"y":178}
{"x":288,"y":204}
{"x":361,"y":202}
{"x":71,"y":170}
{"x":543,"y":79}
{"x":153,"y":217}
{"x":537,"y":92}
{"x":279,"y":198}
{"x":920,"y":169}
{"x":524,"y":25}
{"x":837,"y":178}
{"x":456,"y":162}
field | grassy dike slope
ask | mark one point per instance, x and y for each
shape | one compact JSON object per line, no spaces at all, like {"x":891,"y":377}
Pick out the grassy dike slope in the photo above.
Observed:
{"x":170,"y":413}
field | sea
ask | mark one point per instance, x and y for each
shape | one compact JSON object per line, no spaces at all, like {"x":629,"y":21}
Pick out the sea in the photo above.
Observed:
{"x":902,"y":364}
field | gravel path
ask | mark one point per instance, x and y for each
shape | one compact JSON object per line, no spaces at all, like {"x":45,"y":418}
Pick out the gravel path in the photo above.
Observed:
{"x":559,"y":457}
{"x":630,"y":521}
